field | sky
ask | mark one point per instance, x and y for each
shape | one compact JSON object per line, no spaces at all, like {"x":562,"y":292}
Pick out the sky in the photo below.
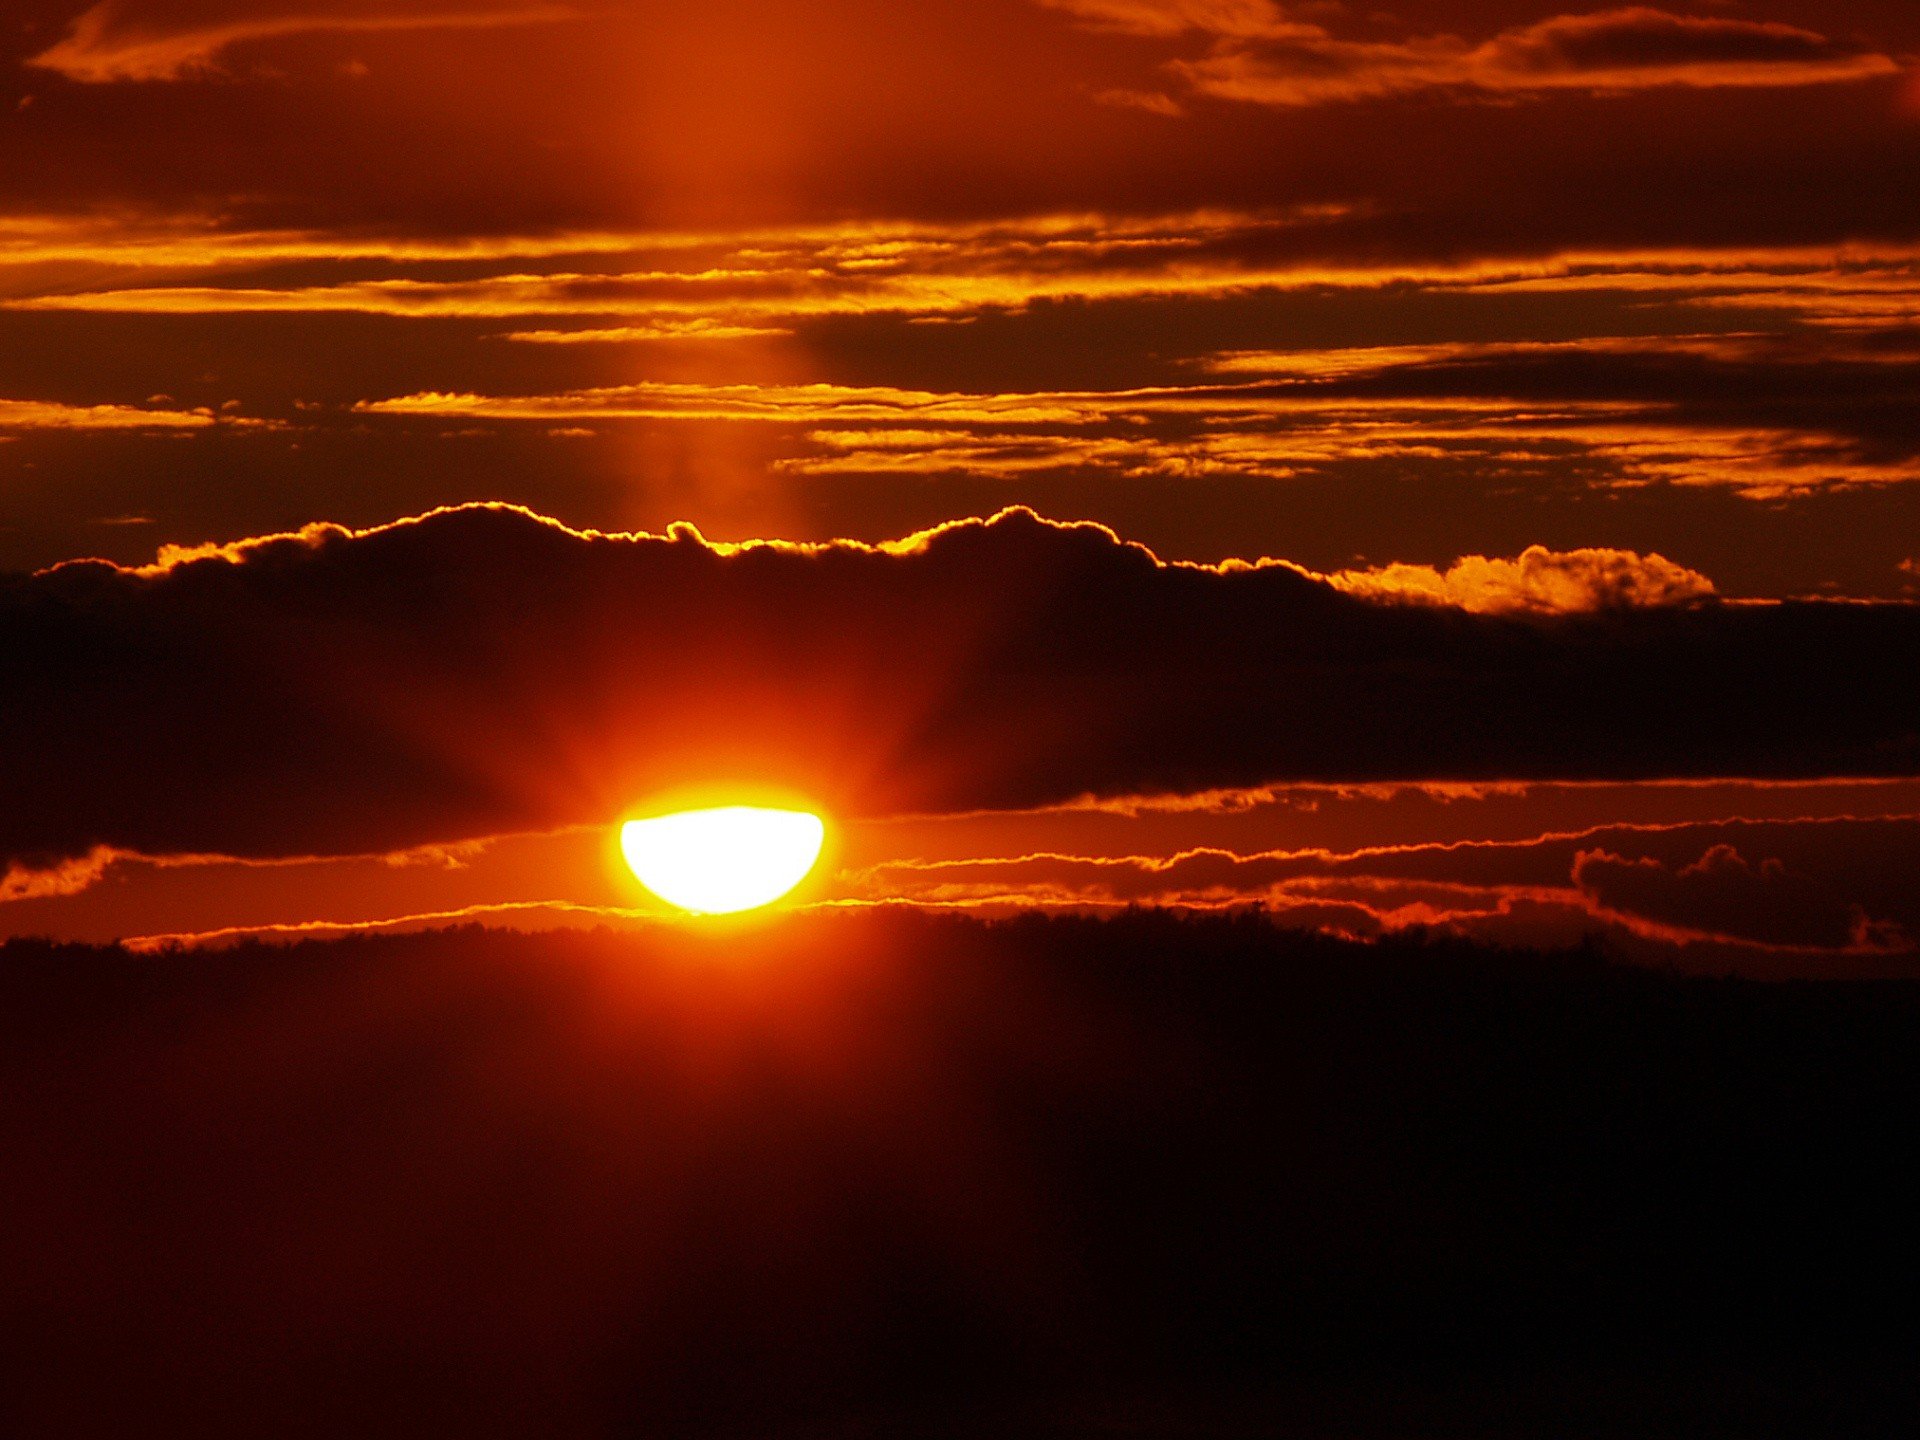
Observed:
{"x":1436,"y":464}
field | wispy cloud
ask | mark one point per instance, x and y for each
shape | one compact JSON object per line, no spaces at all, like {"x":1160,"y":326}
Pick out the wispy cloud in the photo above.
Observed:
{"x":53,"y":415}
{"x":127,"y":40}
{"x":1813,"y":394}
{"x":1260,"y":54}
{"x":754,"y":280}
{"x":1719,"y":882}
{"x":1277,"y":428}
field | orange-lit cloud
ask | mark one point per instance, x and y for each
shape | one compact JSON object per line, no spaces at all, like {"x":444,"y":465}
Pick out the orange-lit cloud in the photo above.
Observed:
{"x":784,"y":404}
{"x":696,"y":329}
{"x":568,"y":877}
{"x":1539,"y":580}
{"x":1826,"y":388}
{"x":483,"y":671}
{"x":131,"y":40}
{"x":1724,"y":893}
{"x":1275,"y":429}
{"x":1263,"y":55}
{"x":1151,"y":101}
{"x":190,"y":241}
{"x":21,"y":881}
{"x":1706,"y":882}
{"x":904,"y":269}
{"x":1168,"y":18}
{"x":51,"y":415}
{"x":27,"y":879}
{"x":517,"y":914}
{"x":1549,"y":351}
{"x":722,"y":279}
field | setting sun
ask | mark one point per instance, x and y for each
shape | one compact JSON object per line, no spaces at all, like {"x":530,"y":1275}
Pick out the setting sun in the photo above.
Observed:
{"x":725,"y":860}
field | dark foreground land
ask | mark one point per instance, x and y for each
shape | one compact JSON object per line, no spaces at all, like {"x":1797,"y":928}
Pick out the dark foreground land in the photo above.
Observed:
{"x":884,"y":1175}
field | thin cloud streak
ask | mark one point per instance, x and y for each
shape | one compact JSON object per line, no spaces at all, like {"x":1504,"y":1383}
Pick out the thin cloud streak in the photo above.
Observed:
{"x":1261,"y":55}
{"x":560,"y":911}
{"x":933,"y":271}
{"x":21,"y":415}
{"x":1260,"y":428}
{"x":1828,"y":383}
{"x":124,"y":40}
{"x":1695,"y":882}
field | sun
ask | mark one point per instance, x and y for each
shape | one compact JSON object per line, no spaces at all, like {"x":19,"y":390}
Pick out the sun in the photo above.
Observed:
{"x":725,"y":860}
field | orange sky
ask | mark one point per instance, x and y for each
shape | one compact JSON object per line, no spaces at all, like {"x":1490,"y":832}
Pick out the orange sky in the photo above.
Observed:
{"x":1508,"y":309}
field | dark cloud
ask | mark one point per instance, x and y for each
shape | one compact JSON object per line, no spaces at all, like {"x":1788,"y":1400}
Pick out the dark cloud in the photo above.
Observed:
{"x":481,"y":671}
{"x":1286,"y":63}
{"x":1870,"y":858}
{"x":1766,"y":413}
{"x":1644,"y":41}
{"x":1723,"y":893}
{"x":123,"y":40}
{"x":1832,"y":886}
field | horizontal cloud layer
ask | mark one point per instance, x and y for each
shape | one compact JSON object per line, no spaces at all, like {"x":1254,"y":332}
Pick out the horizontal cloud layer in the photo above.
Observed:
{"x":1837,"y":885}
{"x":1543,"y":580}
{"x":1261,"y":54}
{"x":172,"y":41}
{"x":482,"y":670}
{"x":18,"y":415}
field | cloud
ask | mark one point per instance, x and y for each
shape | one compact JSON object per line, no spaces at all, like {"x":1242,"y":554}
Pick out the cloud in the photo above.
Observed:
{"x":23,"y":880}
{"x":1766,"y":414}
{"x":751,"y":277}
{"x":1640,"y":45}
{"x":482,"y":671}
{"x":506,"y":914}
{"x":1725,"y":894}
{"x":120,"y":41}
{"x":1821,"y":397}
{"x":1151,"y":101}
{"x":55,"y":415}
{"x":776,"y":278}
{"x":1262,"y":56}
{"x":659,"y":330}
{"x":189,"y":240}
{"x":1540,"y":580}
{"x":1174,"y":17}
{"x":1841,"y":885}
{"x":1763,"y":424}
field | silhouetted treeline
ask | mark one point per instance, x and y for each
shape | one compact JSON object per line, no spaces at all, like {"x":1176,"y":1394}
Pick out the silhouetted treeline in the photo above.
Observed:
{"x":886,"y":1174}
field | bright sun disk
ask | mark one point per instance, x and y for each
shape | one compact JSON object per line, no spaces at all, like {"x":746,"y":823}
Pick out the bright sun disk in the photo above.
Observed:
{"x":725,"y":860}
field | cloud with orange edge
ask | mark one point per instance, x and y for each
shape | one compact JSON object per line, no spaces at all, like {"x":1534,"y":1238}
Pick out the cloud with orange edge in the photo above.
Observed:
{"x":23,"y":415}
{"x":1710,"y":882}
{"x":140,"y":40}
{"x":1539,"y":580}
{"x":1260,"y":55}
{"x":1724,"y":893}
{"x":482,"y":671}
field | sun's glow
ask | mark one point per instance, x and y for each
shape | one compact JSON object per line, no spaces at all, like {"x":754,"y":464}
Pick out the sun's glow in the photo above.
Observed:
{"x":725,"y":860}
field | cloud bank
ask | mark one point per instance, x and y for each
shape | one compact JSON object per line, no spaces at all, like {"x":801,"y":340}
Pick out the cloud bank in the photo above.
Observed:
{"x":1259,"y":54}
{"x":1800,"y":886}
{"x":482,"y":670}
{"x":117,"y":41}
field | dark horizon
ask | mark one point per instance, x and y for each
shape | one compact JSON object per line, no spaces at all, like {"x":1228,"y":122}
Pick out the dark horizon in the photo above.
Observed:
{"x":909,"y":1175}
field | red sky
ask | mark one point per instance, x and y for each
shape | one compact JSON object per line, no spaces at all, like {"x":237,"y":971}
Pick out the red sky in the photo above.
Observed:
{"x":1592,"y":335}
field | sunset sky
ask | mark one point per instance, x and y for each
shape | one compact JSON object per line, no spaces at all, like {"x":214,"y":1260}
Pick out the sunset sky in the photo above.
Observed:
{"x":1437,"y":464}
